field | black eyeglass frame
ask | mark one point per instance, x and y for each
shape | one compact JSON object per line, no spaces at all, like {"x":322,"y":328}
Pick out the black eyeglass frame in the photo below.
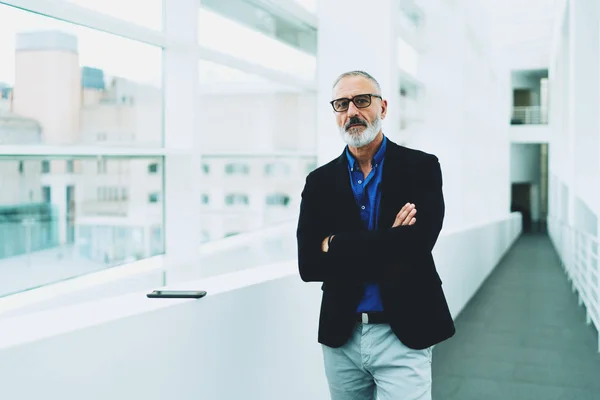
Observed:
{"x":371,"y":95}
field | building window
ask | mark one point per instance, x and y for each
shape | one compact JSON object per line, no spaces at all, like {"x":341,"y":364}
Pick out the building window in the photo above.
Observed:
{"x":236,"y":199}
{"x":278,"y":199}
{"x":153,"y":197}
{"x":153,"y":168}
{"x":205,"y":199}
{"x":101,"y":137}
{"x":45,"y":167}
{"x":102,"y":166}
{"x":237,"y":169}
{"x":277,"y":169}
{"x":70,"y":166}
{"x":206,"y":168}
{"x":124,"y":193}
{"x":46,"y":194}
{"x":21,"y":167}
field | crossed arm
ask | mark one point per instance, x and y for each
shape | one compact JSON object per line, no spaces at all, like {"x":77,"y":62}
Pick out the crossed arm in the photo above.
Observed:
{"x":366,"y":256}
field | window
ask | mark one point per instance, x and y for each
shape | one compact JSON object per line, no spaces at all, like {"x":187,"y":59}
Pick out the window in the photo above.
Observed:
{"x":205,"y":199}
{"x":101,"y":166}
{"x":206,"y":168}
{"x":91,"y":208}
{"x":278,"y":199}
{"x":46,"y":167}
{"x":236,"y":199}
{"x":270,"y":117}
{"x":46,"y":194}
{"x":153,"y":197}
{"x":20,"y":167}
{"x":237,"y":169}
{"x":255,"y":35}
{"x":70,"y":166}
{"x":100,"y":66}
{"x":149,"y":16}
{"x":278,"y":169}
{"x":153,"y":168}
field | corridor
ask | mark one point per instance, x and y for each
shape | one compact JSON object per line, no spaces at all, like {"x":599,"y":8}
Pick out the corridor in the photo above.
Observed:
{"x":523,"y":336}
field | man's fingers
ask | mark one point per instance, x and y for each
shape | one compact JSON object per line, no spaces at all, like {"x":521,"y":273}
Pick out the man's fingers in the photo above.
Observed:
{"x":412,"y":221}
{"x":409,"y":217}
{"x":405,"y":215}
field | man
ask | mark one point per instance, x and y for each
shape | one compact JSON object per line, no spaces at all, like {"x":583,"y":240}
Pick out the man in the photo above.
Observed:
{"x":359,"y":233}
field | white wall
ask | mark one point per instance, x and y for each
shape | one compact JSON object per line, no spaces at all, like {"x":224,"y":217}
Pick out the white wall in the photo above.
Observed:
{"x":525,"y":163}
{"x":252,"y":337}
{"x":574,"y":148}
{"x":466,"y":106}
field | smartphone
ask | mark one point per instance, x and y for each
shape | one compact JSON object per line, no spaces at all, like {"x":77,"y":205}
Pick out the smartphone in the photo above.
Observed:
{"x":176,"y":294}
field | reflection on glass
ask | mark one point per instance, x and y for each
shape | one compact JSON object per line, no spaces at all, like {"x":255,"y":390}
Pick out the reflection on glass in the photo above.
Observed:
{"x":62,"y":84}
{"x":225,"y":35}
{"x":146,"y":13}
{"x":67,"y":222}
{"x":258,"y":139}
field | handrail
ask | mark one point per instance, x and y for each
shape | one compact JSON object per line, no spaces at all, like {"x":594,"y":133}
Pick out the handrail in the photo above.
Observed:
{"x":529,"y":115}
{"x":579,"y":253}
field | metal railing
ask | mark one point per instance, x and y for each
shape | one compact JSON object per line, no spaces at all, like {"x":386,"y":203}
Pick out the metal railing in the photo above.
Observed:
{"x":579,"y":255}
{"x":530,"y":115}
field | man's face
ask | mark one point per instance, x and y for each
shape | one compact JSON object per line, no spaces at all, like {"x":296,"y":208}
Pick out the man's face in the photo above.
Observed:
{"x":359,"y":126}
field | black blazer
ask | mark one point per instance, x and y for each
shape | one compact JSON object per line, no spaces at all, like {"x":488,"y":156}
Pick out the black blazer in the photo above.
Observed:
{"x":398,"y":259}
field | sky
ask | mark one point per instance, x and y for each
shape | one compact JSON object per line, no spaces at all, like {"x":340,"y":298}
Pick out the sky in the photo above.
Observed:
{"x":140,"y":62}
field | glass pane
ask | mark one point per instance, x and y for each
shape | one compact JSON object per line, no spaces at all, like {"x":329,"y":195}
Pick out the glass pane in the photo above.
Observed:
{"x":56,"y":224}
{"x":147,"y":13}
{"x":63,"y":84}
{"x":310,"y":5}
{"x":255,"y":164}
{"x":250,"y":44}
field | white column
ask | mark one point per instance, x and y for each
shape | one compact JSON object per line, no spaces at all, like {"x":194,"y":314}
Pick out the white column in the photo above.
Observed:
{"x":585,"y":90}
{"x":353,"y":36}
{"x":182,"y":172}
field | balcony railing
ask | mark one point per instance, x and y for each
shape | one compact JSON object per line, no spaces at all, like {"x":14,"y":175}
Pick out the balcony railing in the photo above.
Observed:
{"x":529,"y":115}
{"x":579,"y":255}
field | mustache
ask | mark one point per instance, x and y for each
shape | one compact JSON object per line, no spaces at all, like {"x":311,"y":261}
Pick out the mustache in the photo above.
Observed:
{"x":355,"y":121}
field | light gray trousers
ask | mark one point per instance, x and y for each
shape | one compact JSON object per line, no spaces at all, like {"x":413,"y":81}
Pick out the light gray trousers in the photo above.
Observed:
{"x":374,"y":364}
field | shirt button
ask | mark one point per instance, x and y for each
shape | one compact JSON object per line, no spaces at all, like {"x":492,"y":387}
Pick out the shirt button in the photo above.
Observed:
{"x":362,"y":207}
{"x":359,"y":182}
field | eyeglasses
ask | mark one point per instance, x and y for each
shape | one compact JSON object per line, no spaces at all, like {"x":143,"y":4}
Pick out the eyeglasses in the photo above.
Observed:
{"x":360,"y":101}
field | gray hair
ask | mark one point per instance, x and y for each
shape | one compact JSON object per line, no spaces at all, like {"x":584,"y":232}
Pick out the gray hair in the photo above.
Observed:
{"x":358,"y":73}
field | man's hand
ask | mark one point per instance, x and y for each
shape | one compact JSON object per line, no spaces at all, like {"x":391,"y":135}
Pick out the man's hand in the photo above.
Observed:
{"x":406,"y":216}
{"x":325,"y":244}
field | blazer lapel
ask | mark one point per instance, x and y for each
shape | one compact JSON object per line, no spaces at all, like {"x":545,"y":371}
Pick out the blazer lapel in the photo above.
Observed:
{"x":343,"y":192}
{"x":393,"y":197}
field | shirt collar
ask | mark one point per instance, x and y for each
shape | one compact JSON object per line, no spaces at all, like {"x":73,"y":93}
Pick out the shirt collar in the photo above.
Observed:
{"x":377,"y":158}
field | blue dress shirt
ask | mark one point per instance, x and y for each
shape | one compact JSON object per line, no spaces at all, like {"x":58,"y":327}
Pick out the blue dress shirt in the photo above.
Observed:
{"x":367,"y":193}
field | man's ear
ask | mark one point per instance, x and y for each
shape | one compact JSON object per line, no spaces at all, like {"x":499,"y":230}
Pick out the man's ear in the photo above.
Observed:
{"x":384,"y":105}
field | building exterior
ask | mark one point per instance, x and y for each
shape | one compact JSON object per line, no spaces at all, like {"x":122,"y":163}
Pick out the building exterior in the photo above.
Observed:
{"x":111,"y":208}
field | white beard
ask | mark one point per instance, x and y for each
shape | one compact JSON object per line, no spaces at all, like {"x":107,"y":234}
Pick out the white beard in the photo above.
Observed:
{"x":354,"y":138}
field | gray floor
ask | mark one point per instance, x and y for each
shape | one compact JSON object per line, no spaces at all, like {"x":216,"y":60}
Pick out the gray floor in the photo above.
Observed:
{"x":523,"y":336}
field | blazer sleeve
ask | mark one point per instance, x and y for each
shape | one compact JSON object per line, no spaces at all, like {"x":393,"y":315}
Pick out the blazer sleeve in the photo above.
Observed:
{"x":402,"y":242}
{"x":314,"y":264}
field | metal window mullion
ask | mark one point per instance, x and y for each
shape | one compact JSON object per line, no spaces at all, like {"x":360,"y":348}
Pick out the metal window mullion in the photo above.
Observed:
{"x":70,"y":12}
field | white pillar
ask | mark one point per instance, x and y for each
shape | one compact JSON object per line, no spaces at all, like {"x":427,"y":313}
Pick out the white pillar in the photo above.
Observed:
{"x":353,"y":36}
{"x":585,"y":99}
{"x":182,"y":190}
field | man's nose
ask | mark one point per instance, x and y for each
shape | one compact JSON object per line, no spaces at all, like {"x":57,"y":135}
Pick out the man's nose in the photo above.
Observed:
{"x":352,"y":110}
